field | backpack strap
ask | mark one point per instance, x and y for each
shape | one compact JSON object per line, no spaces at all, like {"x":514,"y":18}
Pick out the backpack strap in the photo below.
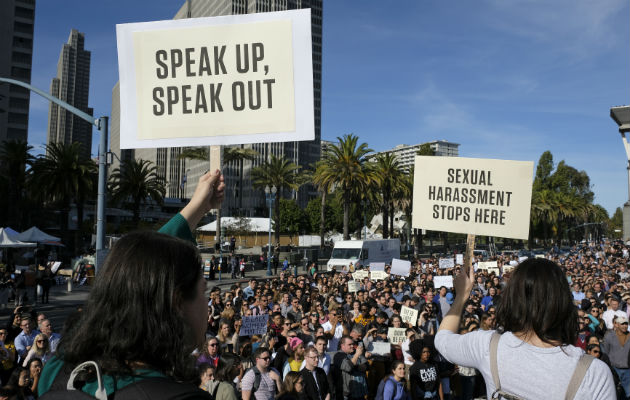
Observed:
{"x":578,"y":375}
{"x":494,"y":369}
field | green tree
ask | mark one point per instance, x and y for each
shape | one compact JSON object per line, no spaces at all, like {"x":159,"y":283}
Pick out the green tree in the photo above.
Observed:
{"x":134,"y":183}
{"x":15,"y":161}
{"x":63,"y":176}
{"x":324,"y":181}
{"x":388,"y":177}
{"x":616,"y":224}
{"x":349,"y":169}
{"x":543,"y":172}
{"x":425,"y":150}
{"x":291,"y":217}
{"x":280,"y":173}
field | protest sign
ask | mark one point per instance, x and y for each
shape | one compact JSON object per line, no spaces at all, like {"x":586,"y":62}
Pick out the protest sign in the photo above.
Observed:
{"x":377,"y":266}
{"x":380,"y":348}
{"x":378,"y":275}
{"x":439,"y":281}
{"x":540,"y":256}
{"x":485,"y":265}
{"x":473,"y":196}
{"x":409,"y":315}
{"x":216,"y":81}
{"x":521,"y":259}
{"x":459,"y":259}
{"x":354,"y":286}
{"x":254,"y":325}
{"x":359,"y":275}
{"x":400,"y":267}
{"x":507,"y":268}
{"x":55,"y":266}
{"x":396,"y":335}
{"x":447,"y":263}
{"x":494,"y":270}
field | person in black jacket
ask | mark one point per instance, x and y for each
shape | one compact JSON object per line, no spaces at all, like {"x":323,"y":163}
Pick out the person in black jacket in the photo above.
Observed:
{"x":315,"y":380}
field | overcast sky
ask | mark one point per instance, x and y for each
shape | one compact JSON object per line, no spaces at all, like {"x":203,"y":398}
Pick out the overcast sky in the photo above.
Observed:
{"x":504,"y":79}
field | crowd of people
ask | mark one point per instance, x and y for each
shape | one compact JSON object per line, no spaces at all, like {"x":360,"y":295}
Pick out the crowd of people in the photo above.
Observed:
{"x":322,"y":340}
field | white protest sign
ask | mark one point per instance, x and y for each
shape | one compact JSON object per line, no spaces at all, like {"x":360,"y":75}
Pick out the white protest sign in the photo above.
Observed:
{"x":521,"y":259}
{"x":254,"y":325}
{"x":447,"y":263}
{"x":400,"y":267}
{"x":539,"y":256}
{"x":377,"y":266}
{"x":446,"y":281}
{"x":215,"y":81}
{"x":55,"y":266}
{"x":380,"y":348}
{"x":494,"y":270}
{"x":378,"y":275}
{"x":485,"y":265}
{"x":473,"y":196}
{"x":507,"y":268}
{"x":359,"y":275}
{"x":409,"y":315}
{"x":459,"y":259}
{"x":353,"y":286}
{"x":396,"y":335}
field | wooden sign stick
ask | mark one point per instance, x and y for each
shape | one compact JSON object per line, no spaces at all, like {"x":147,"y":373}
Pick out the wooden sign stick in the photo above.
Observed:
{"x":470,"y":247}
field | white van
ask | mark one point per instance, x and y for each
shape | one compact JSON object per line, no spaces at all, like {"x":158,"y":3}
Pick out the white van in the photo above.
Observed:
{"x":363,"y":252}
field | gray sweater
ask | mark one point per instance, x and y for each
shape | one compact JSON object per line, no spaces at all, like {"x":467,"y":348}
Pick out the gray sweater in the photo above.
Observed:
{"x":618,"y":355}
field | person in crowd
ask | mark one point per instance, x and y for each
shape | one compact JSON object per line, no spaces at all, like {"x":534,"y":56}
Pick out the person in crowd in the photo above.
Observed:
{"x":39,"y":350}
{"x":537,"y":294}
{"x":269,"y":381}
{"x":611,"y":312}
{"x":210,"y":353}
{"x":296,"y":345}
{"x":292,"y":387}
{"x":350,"y":366}
{"x":423,"y":374}
{"x":159,"y":303}
{"x":393,"y":385}
{"x":46,"y":328}
{"x":314,"y":377}
{"x":206,"y":377}
{"x":24,"y":341}
{"x":226,"y":338}
{"x":229,"y":368}
{"x":617,"y":347}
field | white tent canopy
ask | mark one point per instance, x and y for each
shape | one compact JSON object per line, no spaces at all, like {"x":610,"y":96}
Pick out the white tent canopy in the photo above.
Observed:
{"x":254,"y":224}
{"x":7,"y":241}
{"x":11,"y":232}
{"x":34,"y":234}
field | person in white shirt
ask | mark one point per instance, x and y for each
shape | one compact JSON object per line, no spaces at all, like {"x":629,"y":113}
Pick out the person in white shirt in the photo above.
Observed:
{"x":333,"y":330}
{"x":612,"y":311}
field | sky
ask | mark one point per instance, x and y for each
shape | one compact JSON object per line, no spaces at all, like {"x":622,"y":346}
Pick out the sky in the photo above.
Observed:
{"x":504,"y":79}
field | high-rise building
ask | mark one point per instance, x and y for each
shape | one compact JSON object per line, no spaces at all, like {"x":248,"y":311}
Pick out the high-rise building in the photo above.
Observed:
{"x":72,"y":85}
{"x":406,"y":154}
{"x":17,"y":18}
{"x":242,"y":198}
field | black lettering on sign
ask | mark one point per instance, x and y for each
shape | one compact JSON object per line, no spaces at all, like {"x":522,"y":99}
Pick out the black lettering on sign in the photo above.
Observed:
{"x":162,"y":71}
{"x":158,"y":107}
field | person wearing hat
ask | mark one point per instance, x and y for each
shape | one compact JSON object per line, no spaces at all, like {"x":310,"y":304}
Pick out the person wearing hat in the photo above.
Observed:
{"x":296,"y":345}
{"x":617,"y":346}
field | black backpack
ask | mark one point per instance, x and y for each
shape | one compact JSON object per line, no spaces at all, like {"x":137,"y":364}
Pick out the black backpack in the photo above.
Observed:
{"x":257,"y":378}
{"x":148,"y":388}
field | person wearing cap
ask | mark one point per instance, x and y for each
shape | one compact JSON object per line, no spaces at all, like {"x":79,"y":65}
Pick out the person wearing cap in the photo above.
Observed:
{"x":612,"y":311}
{"x":297,"y":356}
{"x":617,"y":346}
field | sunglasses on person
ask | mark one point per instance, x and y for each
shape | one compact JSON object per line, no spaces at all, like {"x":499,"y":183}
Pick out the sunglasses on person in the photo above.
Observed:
{"x":265,"y":358}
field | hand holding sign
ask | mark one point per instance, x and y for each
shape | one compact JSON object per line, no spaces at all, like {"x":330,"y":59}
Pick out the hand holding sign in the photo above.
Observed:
{"x":465,"y":279}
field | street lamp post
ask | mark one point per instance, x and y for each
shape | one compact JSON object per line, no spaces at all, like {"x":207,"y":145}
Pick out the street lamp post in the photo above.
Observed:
{"x":270,"y":197}
{"x":621,"y":115}
{"x":101,"y":125}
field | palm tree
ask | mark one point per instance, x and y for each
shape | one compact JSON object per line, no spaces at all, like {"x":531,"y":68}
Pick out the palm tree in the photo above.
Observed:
{"x":61,"y":176}
{"x":15,"y":158}
{"x":324,"y":183}
{"x":389,"y":175}
{"x":230,"y":155}
{"x":282,"y":174}
{"x":133,"y":183}
{"x":349,"y":169}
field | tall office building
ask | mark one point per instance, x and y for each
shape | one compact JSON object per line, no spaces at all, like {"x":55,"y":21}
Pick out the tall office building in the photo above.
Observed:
{"x":72,"y":85}
{"x":242,"y":198}
{"x":17,"y":18}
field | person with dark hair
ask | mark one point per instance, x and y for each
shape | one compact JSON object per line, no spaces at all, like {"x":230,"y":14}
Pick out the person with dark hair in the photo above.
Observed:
{"x":535,"y":351}
{"x":210,"y":352}
{"x":292,"y":387}
{"x":145,"y":314}
{"x":349,"y":370}
{"x":228,"y":368}
{"x":423,"y":374}
{"x":260,"y":382}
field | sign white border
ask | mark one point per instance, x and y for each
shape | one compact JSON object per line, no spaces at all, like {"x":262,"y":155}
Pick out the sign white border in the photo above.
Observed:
{"x":302,"y":72}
